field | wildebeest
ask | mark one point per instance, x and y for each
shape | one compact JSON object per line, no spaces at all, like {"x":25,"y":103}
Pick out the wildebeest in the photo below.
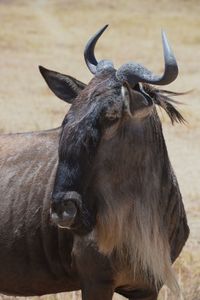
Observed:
{"x":94,"y":205}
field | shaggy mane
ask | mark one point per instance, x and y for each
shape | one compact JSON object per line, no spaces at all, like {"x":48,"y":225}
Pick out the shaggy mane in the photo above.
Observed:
{"x":164,"y":100}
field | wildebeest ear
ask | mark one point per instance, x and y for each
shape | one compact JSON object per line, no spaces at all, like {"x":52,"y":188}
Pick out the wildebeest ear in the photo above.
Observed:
{"x":64,"y":86}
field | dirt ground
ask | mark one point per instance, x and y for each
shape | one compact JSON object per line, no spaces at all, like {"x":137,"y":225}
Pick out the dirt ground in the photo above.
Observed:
{"x":54,"y":33}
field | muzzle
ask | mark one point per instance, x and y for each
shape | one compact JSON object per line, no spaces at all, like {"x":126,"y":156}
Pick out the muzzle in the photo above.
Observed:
{"x":64,"y":208}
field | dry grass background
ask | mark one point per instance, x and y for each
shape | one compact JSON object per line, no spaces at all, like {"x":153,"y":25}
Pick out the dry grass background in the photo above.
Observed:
{"x":54,"y":33}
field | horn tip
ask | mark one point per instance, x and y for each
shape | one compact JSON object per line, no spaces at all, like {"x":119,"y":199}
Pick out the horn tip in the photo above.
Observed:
{"x":164,"y":36}
{"x":166,"y":46}
{"x":104,"y":28}
{"x":42,"y":69}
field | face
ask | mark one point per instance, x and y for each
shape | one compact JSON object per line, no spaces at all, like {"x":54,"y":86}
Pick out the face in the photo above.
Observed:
{"x":112,"y":106}
{"x":100,"y":113}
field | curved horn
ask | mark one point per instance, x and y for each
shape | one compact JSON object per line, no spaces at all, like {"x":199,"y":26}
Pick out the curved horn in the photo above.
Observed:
{"x":90,"y":59}
{"x":134,"y":73}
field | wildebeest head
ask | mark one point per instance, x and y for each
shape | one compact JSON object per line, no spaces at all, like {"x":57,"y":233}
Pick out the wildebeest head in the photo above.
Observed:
{"x":109,"y":136}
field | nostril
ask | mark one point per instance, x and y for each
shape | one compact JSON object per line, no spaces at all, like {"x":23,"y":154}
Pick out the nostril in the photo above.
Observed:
{"x":69,"y":209}
{"x":68,"y":218}
{"x":64,"y":208}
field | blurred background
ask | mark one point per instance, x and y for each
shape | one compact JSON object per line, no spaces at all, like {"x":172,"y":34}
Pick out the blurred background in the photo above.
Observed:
{"x":54,"y":34}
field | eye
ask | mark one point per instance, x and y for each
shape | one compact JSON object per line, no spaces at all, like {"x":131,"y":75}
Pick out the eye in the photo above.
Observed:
{"x":110,"y":120}
{"x":111,"y":115}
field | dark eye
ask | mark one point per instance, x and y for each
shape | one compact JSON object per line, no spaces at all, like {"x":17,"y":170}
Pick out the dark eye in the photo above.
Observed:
{"x":110,"y":118}
{"x":112,"y":111}
{"x":110,"y":121}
